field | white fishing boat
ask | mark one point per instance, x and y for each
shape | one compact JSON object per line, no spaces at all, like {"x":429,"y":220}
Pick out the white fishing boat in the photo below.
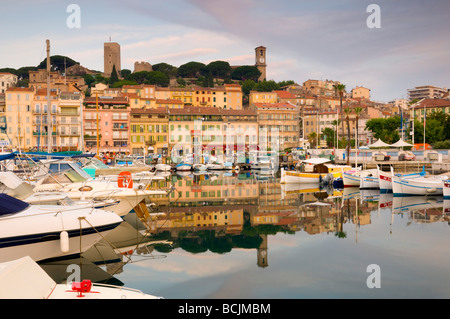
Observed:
{"x":351,"y":178}
{"x":369,"y":179}
{"x":199,"y":167}
{"x":183,"y":167}
{"x":23,"y":278}
{"x":163,"y":167}
{"x":262,"y":161}
{"x":406,"y":204}
{"x":422,"y":185}
{"x":446,"y":189}
{"x":49,"y":231}
{"x":314,"y":170}
{"x":214,"y":164}
{"x":384,"y":181}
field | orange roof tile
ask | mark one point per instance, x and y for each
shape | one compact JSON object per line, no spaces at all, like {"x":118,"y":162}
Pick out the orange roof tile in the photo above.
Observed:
{"x":285,"y":94}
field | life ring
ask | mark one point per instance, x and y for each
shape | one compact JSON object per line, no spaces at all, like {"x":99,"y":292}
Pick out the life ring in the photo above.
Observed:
{"x":125,"y":180}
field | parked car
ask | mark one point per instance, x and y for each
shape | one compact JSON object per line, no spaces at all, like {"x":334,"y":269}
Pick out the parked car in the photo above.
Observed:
{"x":407,"y":156}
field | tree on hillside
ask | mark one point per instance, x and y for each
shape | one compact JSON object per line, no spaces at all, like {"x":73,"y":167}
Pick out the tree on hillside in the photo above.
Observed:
{"x":267,"y":86}
{"x":114,"y":75}
{"x":124,"y":73}
{"x":219,"y":69}
{"x":149,"y":77}
{"x":246,"y":72}
{"x":247,"y":86}
{"x":57,"y":63}
{"x":167,"y":69}
{"x":191,"y":70}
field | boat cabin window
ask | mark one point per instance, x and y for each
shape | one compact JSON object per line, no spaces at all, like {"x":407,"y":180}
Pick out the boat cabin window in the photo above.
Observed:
{"x":74,"y":177}
{"x":58,"y":167}
{"x":320,"y":168}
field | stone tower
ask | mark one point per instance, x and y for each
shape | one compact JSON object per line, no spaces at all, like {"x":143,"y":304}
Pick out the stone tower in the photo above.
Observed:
{"x":111,"y":57}
{"x":260,"y":62}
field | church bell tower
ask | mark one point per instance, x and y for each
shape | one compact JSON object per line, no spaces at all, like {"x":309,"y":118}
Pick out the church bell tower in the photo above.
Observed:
{"x":260,"y":62}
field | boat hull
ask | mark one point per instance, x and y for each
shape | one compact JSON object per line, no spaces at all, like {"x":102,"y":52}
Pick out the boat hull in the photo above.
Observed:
{"x":37,"y":232}
{"x":307,"y":178}
{"x":446,"y":189}
{"x":416,"y":186}
{"x":351,"y":180}
{"x":369,"y":182}
{"x":385,"y":182}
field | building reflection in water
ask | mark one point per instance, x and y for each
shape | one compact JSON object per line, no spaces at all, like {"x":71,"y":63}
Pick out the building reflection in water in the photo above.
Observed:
{"x":223,"y":211}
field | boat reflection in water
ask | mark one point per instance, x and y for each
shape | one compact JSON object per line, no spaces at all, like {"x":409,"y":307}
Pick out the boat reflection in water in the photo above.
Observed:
{"x":228,"y":213}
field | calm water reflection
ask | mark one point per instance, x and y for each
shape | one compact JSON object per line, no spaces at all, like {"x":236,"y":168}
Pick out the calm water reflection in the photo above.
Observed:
{"x":246,"y":236}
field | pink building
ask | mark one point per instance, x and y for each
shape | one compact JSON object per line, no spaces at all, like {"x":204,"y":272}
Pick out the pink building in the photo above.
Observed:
{"x":112,"y":124}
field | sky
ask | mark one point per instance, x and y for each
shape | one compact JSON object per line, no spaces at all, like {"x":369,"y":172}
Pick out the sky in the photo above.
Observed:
{"x":305,"y":39}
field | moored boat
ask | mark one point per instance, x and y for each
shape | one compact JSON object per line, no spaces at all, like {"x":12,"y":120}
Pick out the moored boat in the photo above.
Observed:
{"x":422,"y":185}
{"x":351,"y":178}
{"x":50,"y":231}
{"x":369,"y":179}
{"x":183,"y":167}
{"x":23,"y":278}
{"x":313,"y":171}
{"x":446,"y":189}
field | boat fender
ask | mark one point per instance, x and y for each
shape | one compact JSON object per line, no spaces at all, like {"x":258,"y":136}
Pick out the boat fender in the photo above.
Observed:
{"x":64,"y":241}
{"x":431,"y":190}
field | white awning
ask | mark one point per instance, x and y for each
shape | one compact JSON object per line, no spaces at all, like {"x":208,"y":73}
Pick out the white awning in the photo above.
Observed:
{"x":317,"y":160}
{"x":401,"y":143}
{"x":379,"y":143}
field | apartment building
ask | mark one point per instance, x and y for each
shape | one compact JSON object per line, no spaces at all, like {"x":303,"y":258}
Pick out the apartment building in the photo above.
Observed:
{"x":7,"y":80}
{"x":19,"y":117}
{"x":110,"y":117}
{"x":319,"y":87}
{"x":281,"y":119}
{"x":426,"y":92}
{"x":361,"y":92}
{"x":149,"y":131}
{"x":428,"y":106}
{"x":45,"y":120}
{"x":70,"y":121}
{"x":193,"y":130}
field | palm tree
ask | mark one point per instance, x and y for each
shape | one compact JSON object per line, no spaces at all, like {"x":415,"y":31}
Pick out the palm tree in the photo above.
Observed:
{"x":347,"y":118}
{"x":357,"y":110}
{"x":340,"y":90}
{"x":336,"y":124}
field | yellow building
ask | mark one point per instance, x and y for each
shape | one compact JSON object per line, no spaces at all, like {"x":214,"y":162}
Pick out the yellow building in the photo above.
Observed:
{"x":262,"y":97}
{"x":19,"y":117}
{"x":45,"y":120}
{"x":281,"y":119}
{"x":418,"y":110}
{"x":361,"y":92}
{"x":149,"y":132}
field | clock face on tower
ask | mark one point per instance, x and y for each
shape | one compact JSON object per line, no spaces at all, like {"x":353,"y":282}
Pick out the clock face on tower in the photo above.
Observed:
{"x":261,"y":60}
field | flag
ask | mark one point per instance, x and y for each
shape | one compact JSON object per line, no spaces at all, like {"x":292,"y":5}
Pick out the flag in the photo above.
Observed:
{"x":401,"y":119}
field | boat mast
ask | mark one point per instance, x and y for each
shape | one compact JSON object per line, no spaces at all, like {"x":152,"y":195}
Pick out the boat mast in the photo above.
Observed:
{"x":98,"y":142}
{"x":49,"y":107}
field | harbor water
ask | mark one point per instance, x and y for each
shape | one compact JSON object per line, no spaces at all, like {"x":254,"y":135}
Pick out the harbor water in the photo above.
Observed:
{"x":245,"y":235}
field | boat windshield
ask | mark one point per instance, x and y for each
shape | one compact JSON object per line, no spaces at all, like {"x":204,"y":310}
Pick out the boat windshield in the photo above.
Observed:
{"x":10,"y":205}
